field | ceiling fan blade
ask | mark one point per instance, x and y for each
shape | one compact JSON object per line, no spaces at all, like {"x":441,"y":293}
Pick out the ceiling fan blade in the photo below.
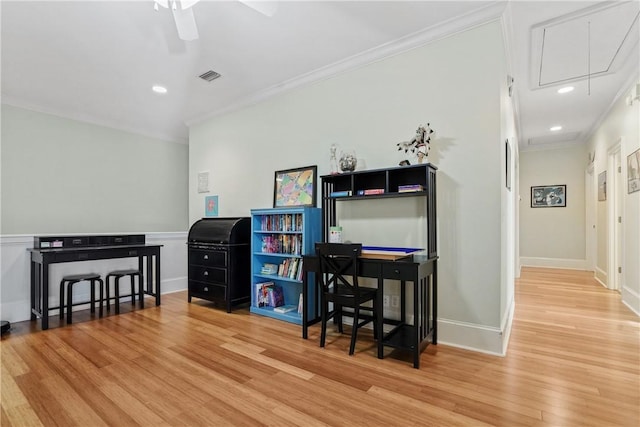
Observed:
{"x":267,"y":8}
{"x":185,"y":23}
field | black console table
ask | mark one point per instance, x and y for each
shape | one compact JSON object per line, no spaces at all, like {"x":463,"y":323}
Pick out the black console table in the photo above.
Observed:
{"x":51,"y":250}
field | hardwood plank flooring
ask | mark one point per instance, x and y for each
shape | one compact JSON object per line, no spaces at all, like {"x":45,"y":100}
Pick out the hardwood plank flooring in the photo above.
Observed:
{"x":573,"y":360}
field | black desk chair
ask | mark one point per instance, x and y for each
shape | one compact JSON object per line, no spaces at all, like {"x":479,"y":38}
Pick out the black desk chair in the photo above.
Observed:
{"x":118,"y":274}
{"x":338,"y":278}
{"x":71,"y":280}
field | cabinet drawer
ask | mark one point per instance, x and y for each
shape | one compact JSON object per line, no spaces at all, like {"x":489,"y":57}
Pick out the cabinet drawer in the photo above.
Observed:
{"x":208,"y":274}
{"x":397,"y":271}
{"x":208,"y":258}
{"x":208,"y":291}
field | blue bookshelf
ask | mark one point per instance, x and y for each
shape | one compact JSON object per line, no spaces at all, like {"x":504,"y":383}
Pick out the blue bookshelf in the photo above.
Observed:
{"x":280,"y":237}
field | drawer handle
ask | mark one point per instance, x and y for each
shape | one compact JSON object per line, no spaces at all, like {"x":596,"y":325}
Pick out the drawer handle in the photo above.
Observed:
{"x":133,"y":252}
{"x":206,"y":289}
{"x":206,"y":257}
{"x":83,"y":256}
{"x":206,"y":273}
{"x":396,"y":271}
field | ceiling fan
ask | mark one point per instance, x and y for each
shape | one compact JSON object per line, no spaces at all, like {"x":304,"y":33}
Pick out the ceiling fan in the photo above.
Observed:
{"x":185,"y":20}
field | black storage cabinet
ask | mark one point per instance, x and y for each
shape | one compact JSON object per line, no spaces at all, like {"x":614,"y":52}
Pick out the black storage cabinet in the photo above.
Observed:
{"x":220,"y":261}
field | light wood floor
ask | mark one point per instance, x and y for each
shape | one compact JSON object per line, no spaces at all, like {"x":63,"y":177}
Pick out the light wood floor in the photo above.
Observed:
{"x":573,"y":360}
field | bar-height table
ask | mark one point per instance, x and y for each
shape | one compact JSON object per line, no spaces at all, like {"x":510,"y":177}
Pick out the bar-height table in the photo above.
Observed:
{"x":42,"y":258}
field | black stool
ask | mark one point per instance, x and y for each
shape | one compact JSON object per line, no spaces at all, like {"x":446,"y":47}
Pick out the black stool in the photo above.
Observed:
{"x":72,"y":280}
{"x":118,"y":274}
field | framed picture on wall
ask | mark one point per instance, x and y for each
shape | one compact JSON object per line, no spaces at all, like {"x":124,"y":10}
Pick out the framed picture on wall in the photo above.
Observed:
{"x":633,"y":171}
{"x":295,"y":187}
{"x":549,"y":196}
{"x":507,"y":164}
{"x":602,"y":186}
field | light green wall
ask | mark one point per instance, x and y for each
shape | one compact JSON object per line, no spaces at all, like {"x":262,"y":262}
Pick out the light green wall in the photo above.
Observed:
{"x":622,"y":125}
{"x":454,"y":84}
{"x":64,"y":176}
{"x":557,"y":233}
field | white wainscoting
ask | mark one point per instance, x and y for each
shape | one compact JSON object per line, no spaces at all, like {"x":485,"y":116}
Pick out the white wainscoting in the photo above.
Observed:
{"x":15,"y":279}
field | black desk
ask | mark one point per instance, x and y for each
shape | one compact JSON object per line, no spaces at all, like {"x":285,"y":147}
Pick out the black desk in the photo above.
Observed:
{"x":42,"y":258}
{"x":420,"y":270}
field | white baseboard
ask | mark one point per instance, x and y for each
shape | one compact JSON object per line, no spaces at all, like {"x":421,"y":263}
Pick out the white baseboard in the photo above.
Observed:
{"x":631,"y":299}
{"x":601,"y":276}
{"x":469,"y":336}
{"x":506,"y":326}
{"x":569,"y":264}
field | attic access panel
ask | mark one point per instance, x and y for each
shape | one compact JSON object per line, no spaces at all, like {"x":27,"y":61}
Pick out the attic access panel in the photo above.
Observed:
{"x":593,"y":41}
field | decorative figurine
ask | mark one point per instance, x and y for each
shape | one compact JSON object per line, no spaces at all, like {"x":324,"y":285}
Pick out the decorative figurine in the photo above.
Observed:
{"x":333,"y":161}
{"x":419,"y":144}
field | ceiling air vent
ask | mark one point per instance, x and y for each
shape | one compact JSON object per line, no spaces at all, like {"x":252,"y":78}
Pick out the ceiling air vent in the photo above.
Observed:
{"x":209,"y":76}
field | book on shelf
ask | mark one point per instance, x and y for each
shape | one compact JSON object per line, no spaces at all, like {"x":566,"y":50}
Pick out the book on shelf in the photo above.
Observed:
{"x":345,"y":193}
{"x":276,"y":296}
{"x":268,"y":294}
{"x":285,"y":308}
{"x":262,"y":294}
{"x":410,"y":188}
{"x":291,"y":268}
{"x":300,"y":304}
{"x":269,"y":268}
{"x":370,"y":191}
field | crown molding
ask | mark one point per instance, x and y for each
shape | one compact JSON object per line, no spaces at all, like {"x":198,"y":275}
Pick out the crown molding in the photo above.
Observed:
{"x":14,"y":102}
{"x":420,"y":38}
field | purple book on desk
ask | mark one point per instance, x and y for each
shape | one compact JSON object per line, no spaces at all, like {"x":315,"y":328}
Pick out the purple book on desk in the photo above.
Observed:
{"x":385,"y":252}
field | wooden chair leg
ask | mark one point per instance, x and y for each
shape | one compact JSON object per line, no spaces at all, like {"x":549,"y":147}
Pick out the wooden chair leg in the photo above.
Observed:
{"x":323,"y":315}
{"x":354,"y":329}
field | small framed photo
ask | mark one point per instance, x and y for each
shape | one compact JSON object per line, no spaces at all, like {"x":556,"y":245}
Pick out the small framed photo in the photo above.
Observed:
{"x":549,"y":196}
{"x":633,"y":171}
{"x":507,"y":166}
{"x":602,"y":186}
{"x":295,"y":187}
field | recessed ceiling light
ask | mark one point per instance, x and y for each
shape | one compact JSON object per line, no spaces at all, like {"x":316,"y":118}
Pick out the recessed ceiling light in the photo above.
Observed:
{"x":555,"y":128}
{"x":565,"y":89}
{"x":159,"y":89}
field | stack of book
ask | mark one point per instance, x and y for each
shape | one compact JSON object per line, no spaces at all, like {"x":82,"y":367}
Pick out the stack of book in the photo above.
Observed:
{"x":269,"y":269}
{"x":410,"y":188}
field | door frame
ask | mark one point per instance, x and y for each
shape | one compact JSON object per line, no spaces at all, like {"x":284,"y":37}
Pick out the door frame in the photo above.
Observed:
{"x":615,"y":210}
{"x":591,"y":218}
